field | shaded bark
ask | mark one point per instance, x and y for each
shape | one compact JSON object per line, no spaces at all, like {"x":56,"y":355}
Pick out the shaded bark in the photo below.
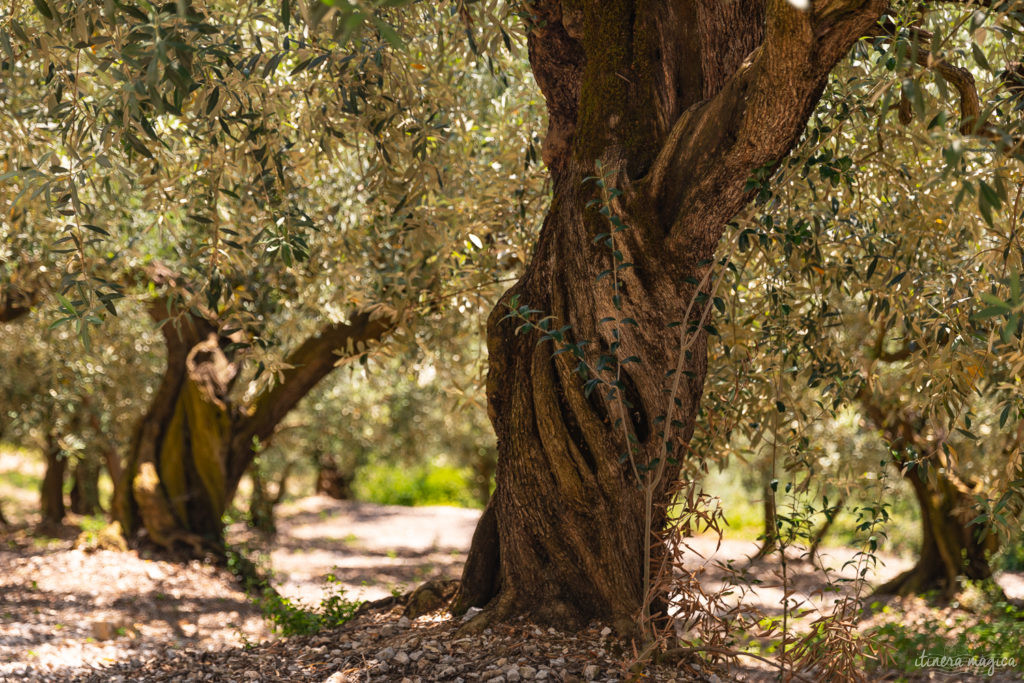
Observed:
{"x":483,"y":473}
{"x":332,"y":480}
{"x":951,"y":546}
{"x":195,"y":442}
{"x":15,"y":302}
{"x":682,"y":103}
{"x":85,"y":488}
{"x":51,"y":492}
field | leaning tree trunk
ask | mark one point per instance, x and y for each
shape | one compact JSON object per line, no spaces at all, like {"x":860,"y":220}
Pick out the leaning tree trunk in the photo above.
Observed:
{"x":681,"y":103}
{"x":194,"y":444}
{"x":951,"y":547}
{"x":51,"y":491}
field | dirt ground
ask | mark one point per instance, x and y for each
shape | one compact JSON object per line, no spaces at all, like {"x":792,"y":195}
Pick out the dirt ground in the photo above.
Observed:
{"x":371,"y":549}
{"x":64,"y":610}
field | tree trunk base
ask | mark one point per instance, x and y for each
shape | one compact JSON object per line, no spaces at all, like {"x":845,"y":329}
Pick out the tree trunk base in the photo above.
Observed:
{"x":918,"y":580}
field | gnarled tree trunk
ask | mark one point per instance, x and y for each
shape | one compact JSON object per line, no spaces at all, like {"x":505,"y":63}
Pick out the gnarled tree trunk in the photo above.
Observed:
{"x":681,"y":102}
{"x":195,"y":443}
{"x":951,"y":547}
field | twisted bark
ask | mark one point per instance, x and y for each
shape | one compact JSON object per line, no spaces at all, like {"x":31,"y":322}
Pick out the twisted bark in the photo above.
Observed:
{"x":684,"y":102}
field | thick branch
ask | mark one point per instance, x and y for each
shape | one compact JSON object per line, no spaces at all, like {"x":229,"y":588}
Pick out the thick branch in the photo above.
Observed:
{"x":311,"y":362}
{"x":699,"y":178}
{"x":960,"y":78}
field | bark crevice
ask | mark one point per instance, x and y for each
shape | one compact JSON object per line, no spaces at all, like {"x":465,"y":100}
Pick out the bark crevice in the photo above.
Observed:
{"x":681,"y":103}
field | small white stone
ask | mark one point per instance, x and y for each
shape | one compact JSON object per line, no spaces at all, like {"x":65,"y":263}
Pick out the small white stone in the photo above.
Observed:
{"x":605,"y":632}
{"x":590,"y":672}
{"x":402,"y":658}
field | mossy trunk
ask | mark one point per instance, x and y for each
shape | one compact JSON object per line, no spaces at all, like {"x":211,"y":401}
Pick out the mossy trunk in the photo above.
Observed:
{"x":680,"y":103}
{"x":951,"y":547}
{"x":85,"y":488}
{"x":174,"y":485}
{"x":176,"y":472}
{"x":194,"y":444}
{"x":51,"y":491}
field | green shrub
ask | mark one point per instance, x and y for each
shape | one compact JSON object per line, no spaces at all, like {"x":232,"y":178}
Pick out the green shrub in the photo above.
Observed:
{"x":1011,"y":557}
{"x":995,"y":633}
{"x":396,"y":485}
{"x":293,"y":619}
{"x":290,"y":618}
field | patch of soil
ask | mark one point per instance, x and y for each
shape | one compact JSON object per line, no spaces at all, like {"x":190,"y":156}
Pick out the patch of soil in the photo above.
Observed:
{"x":373,"y":550}
{"x":62,"y":609}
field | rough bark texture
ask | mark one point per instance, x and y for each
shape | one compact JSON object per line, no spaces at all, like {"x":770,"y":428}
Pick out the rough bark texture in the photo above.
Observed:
{"x":194,"y":444}
{"x":682,"y":102}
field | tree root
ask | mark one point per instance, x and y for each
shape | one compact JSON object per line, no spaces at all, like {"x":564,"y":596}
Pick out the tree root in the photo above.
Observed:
{"x":915,"y":581}
{"x":500,"y":609}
